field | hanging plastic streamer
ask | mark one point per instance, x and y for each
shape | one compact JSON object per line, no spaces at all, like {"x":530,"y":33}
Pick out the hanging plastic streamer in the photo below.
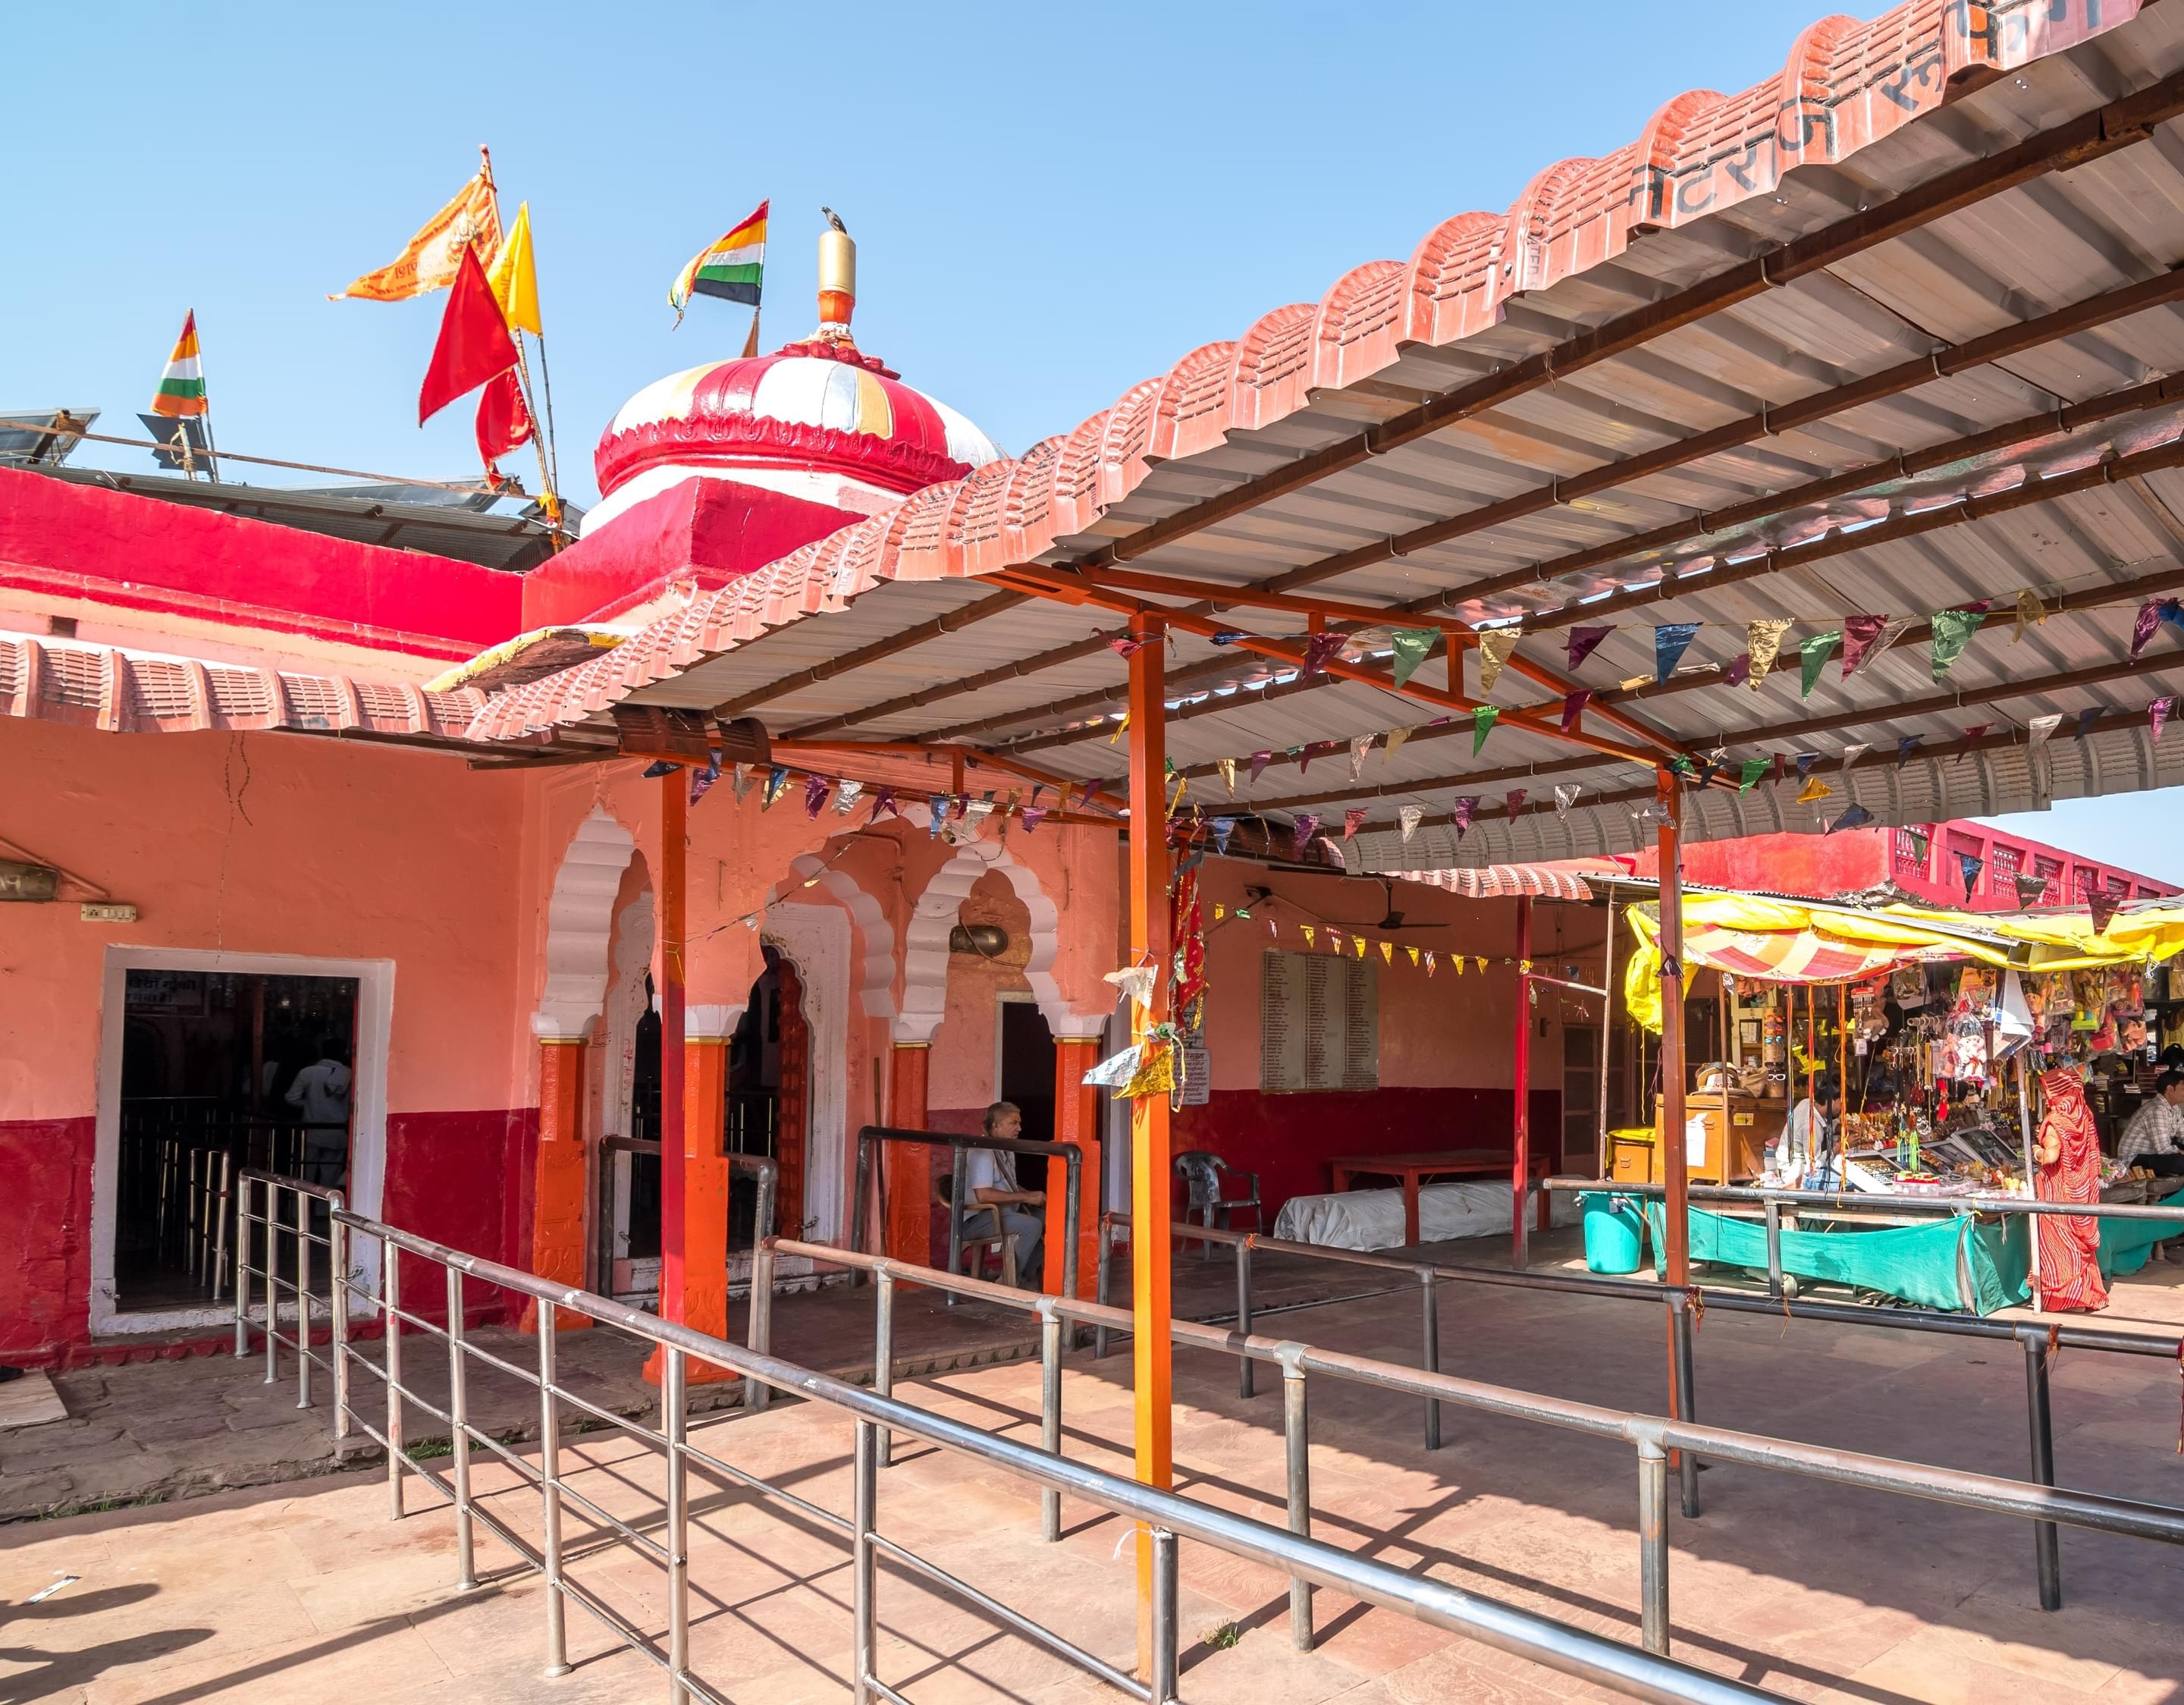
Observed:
{"x":1320,"y":651}
{"x":1764,"y":641}
{"x":1412,"y":646}
{"x":1513,"y":801}
{"x":846,"y":797}
{"x":1583,"y":642}
{"x":2157,"y":713}
{"x":1462,"y":814}
{"x":1953,"y":629}
{"x":701,"y":780}
{"x":776,"y":779}
{"x":1360,"y":749}
{"x":1352,"y":820}
{"x":1302,"y":827}
{"x":1573,"y":707}
{"x":939,"y":802}
{"x":1137,"y":982}
{"x":1495,"y":647}
{"x":1565,"y":796}
{"x":1410,"y":817}
{"x":1858,"y":633}
{"x":1814,"y":656}
{"x":883,"y":801}
{"x":1482,"y":724}
{"x":1222,"y":828}
{"x":1228,"y":768}
{"x":1670,"y":641}
{"x":1393,"y":738}
{"x":2031,"y":612}
{"x":740,"y":783}
{"x":816,"y":790}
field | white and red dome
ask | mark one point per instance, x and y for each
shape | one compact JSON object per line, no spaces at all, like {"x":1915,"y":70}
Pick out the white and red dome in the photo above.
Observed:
{"x":820,"y":420}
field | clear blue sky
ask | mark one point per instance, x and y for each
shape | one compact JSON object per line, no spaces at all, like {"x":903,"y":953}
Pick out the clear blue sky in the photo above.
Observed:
{"x":1050,"y":203}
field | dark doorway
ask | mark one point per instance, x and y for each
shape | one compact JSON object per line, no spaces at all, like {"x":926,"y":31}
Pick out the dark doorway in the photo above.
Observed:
{"x":644,"y":1126}
{"x":221,"y":1071}
{"x":769,"y":1080}
{"x":1027,"y":1077}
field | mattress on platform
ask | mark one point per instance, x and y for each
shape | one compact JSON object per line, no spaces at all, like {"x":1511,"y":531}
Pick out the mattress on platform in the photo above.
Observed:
{"x":1373,"y":1219}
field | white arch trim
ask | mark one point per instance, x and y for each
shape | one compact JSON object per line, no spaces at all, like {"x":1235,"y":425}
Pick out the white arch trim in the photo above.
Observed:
{"x":580,"y":925}
{"x":925,"y":962}
{"x":876,"y":973}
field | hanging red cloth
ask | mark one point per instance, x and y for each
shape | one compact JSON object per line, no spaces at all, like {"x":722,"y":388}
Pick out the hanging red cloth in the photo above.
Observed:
{"x":2070,"y":1157}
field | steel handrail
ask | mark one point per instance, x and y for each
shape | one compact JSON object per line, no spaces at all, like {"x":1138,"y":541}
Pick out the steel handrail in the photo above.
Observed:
{"x":2038,"y":1341}
{"x":1991,"y":1493}
{"x":334,"y":1242}
{"x":869,"y":1137}
{"x":1637,"y":1673}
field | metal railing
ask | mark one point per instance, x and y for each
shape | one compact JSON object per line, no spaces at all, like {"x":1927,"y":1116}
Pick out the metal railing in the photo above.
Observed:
{"x":296,"y":1224}
{"x":2039,"y":1340}
{"x":871,"y":1137}
{"x":1642,"y":1673}
{"x":1654,"y":1437}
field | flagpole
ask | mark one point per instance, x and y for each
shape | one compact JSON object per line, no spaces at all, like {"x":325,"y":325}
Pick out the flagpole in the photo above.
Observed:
{"x":546,"y":390}
{"x":551,"y":495}
{"x":211,"y":458}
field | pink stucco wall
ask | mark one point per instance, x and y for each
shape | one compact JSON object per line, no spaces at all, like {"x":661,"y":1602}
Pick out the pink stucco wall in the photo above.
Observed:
{"x":1447,"y":1042}
{"x":261,"y":844}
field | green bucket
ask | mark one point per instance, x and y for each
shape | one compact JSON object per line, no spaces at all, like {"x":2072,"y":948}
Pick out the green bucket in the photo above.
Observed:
{"x":1614,"y":1231}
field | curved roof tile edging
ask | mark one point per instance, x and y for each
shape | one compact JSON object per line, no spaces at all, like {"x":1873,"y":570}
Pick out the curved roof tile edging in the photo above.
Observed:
{"x":1844,"y":85}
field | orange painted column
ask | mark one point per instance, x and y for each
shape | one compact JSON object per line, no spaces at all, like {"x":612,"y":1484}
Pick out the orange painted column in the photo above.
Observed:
{"x":908,"y":1167}
{"x":1076,"y":1120}
{"x":706,"y":1185}
{"x":557,"y":1218}
{"x":1151,"y":1194}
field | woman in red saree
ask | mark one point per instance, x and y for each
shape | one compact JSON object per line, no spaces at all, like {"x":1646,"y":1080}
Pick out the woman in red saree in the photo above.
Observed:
{"x":2070,"y":1157}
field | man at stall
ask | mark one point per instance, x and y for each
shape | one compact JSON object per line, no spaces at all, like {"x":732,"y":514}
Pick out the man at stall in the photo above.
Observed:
{"x":2154,"y":1139}
{"x":1809,"y":1133}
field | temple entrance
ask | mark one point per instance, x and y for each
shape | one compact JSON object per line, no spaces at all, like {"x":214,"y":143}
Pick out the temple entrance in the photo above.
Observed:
{"x":769,"y":1098}
{"x":220,"y":1071}
{"x":1024,"y":1074}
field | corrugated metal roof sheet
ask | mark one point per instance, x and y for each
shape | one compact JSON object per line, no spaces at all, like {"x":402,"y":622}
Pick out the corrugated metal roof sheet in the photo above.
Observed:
{"x":1956,"y":468}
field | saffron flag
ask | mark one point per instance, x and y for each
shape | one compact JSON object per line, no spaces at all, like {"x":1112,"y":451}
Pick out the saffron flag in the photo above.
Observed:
{"x":733,"y":268}
{"x":515,"y":278}
{"x":474,"y":343}
{"x":434,"y":255}
{"x":181,"y":392}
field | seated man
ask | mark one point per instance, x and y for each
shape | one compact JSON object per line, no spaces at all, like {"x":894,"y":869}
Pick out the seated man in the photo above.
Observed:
{"x":996,"y":1207}
{"x":2154,"y":1139}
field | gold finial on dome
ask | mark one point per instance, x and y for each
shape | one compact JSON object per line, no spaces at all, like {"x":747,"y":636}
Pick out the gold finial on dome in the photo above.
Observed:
{"x":837,"y":279}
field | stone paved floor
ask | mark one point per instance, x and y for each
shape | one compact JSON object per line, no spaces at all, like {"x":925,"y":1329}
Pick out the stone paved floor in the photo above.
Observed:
{"x":307,"y":1591}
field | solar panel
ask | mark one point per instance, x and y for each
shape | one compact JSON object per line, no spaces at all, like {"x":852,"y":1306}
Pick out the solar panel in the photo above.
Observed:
{"x":41,"y":436}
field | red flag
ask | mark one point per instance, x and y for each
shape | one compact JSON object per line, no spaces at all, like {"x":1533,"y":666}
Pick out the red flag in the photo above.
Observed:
{"x":503,"y":422}
{"x":473,"y":345}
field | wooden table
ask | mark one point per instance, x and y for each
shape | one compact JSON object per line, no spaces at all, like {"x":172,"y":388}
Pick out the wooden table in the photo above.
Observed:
{"x":1410,"y":1169}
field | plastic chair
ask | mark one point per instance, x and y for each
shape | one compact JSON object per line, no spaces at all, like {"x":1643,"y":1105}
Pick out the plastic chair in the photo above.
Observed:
{"x":999,"y":1244}
{"x":1202,"y":1173}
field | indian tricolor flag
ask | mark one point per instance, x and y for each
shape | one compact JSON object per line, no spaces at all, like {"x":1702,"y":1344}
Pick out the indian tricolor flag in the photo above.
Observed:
{"x":181,"y":387}
{"x":731,"y":269}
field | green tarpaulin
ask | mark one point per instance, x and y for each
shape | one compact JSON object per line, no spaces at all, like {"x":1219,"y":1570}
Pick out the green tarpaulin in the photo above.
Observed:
{"x":1961,"y":1263}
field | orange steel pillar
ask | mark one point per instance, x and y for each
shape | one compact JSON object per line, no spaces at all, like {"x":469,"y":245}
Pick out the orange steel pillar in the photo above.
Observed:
{"x":1521,"y":1165}
{"x":1150,"y":1195}
{"x":1676,"y":1258}
{"x":908,"y":1165}
{"x":1076,"y":1120}
{"x":674,"y":806}
{"x":706,"y":1184}
{"x":557,"y":1221}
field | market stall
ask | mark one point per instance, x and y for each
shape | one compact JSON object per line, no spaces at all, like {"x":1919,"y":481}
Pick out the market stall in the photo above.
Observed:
{"x":1912,"y":1052}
